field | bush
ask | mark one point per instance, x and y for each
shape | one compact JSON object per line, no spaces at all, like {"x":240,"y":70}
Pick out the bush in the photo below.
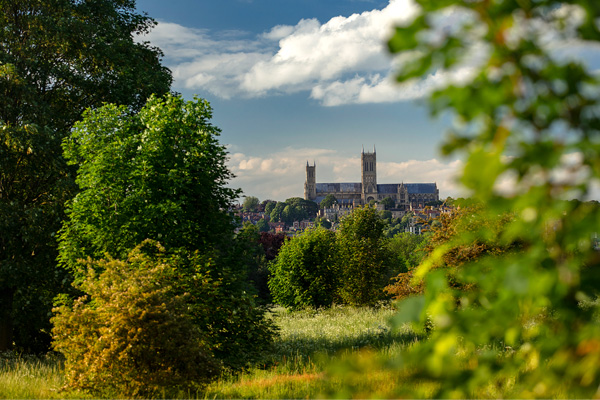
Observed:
{"x":131,"y":334}
{"x":364,"y":258}
{"x":305,"y":273}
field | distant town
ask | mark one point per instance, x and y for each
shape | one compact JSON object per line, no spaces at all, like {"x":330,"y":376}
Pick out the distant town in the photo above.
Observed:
{"x":407,"y":207}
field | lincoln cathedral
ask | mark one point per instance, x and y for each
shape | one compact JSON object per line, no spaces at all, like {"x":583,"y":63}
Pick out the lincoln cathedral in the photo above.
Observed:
{"x":405,"y":195}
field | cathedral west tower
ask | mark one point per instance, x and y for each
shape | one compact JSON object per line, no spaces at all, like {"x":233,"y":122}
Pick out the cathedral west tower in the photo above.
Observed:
{"x":368,"y":176}
{"x":310,"y":185}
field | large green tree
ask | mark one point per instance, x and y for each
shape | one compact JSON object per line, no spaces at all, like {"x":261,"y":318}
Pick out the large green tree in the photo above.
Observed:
{"x":160,"y":174}
{"x":57,"y":58}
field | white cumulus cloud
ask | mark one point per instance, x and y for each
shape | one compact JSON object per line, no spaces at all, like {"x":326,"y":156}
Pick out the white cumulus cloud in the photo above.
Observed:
{"x":340,"y":61}
{"x":325,"y":59}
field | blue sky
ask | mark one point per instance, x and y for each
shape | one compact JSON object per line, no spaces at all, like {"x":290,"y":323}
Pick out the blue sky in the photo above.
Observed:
{"x":298,"y":80}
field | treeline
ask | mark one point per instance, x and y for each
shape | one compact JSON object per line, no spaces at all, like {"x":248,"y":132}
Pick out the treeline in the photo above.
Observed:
{"x":114,"y":207}
{"x":288,"y":211}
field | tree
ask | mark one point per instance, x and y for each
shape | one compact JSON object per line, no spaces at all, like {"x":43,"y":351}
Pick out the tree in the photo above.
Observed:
{"x":57,"y":58}
{"x":386,"y":216}
{"x":271,"y":243}
{"x":250,"y":203}
{"x":388,"y":203}
{"x":60,"y":57}
{"x":33,"y":187}
{"x":323,"y":222}
{"x":363,"y":257}
{"x":409,"y":249}
{"x":277,"y":212}
{"x":524,"y":112}
{"x":262,"y":225}
{"x":160,"y":174}
{"x":269,"y":206}
{"x":328,"y":201}
{"x":307,"y":208}
{"x":292,"y":213}
{"x":304,"y":273}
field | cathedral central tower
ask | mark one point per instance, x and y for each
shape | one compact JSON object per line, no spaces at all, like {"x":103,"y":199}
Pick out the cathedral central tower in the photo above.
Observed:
{"x":369,"y":175}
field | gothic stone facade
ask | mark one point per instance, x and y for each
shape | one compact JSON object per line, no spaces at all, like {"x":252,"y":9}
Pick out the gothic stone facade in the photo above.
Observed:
{"x":404,"y":195}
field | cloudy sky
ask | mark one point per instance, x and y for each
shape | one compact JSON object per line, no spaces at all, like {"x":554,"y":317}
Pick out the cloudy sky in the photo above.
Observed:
{"x":293,"y":81}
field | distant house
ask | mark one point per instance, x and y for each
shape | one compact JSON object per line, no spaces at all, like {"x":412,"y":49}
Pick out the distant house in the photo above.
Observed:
{"x":278,"y":227}
{"x":304,"y":224}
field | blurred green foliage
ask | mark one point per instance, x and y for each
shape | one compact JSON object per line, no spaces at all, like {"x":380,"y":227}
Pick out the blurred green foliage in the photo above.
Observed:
{"x":528,"y":125}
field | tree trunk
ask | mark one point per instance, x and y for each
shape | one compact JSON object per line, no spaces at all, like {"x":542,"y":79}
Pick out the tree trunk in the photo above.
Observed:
{"x":6,"y":305}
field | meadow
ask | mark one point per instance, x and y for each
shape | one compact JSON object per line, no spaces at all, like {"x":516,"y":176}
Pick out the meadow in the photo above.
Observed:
{"x":334,"y":352}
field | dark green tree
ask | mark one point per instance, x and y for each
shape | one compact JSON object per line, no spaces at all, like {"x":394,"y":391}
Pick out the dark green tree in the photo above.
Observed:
{"x":388,"y":203}
{"x":292,"y":213}
{"x":323,"y":222}
{"x":277,"y":211}
{"x":263,"y":225}
{"x":60,"y":57}
{"x":33,"y":188}
{"x":328,"y":201}
{"x":57,"y":58}
{"x":305,"y":273}
{"x":307,"y":208}
{"x":269,"y":206}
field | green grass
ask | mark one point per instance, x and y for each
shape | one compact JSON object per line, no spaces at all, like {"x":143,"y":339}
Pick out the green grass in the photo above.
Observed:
{"x":324,"y":353}
{"x":30,"y":377}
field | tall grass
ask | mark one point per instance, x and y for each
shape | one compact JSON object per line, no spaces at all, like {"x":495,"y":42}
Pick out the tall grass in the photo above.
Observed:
{"x":32,"y":377}
{"x":318,"y":351}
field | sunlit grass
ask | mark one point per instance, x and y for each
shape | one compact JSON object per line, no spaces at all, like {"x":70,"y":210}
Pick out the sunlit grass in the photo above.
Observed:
{"x":312,"y":354}
{"x":29,"y":377}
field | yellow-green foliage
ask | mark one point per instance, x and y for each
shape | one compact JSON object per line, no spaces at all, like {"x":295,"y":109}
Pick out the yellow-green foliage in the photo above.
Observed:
{"x":130,"y":335}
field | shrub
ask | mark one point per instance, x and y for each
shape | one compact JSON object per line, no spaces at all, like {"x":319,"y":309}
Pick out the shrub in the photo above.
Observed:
{"x":131,"y":334}
{"x":364,"y":258}
{"x":305,"y":273}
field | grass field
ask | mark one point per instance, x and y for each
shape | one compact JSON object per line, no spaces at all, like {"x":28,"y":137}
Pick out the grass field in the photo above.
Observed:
{"x":325,"y":353}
